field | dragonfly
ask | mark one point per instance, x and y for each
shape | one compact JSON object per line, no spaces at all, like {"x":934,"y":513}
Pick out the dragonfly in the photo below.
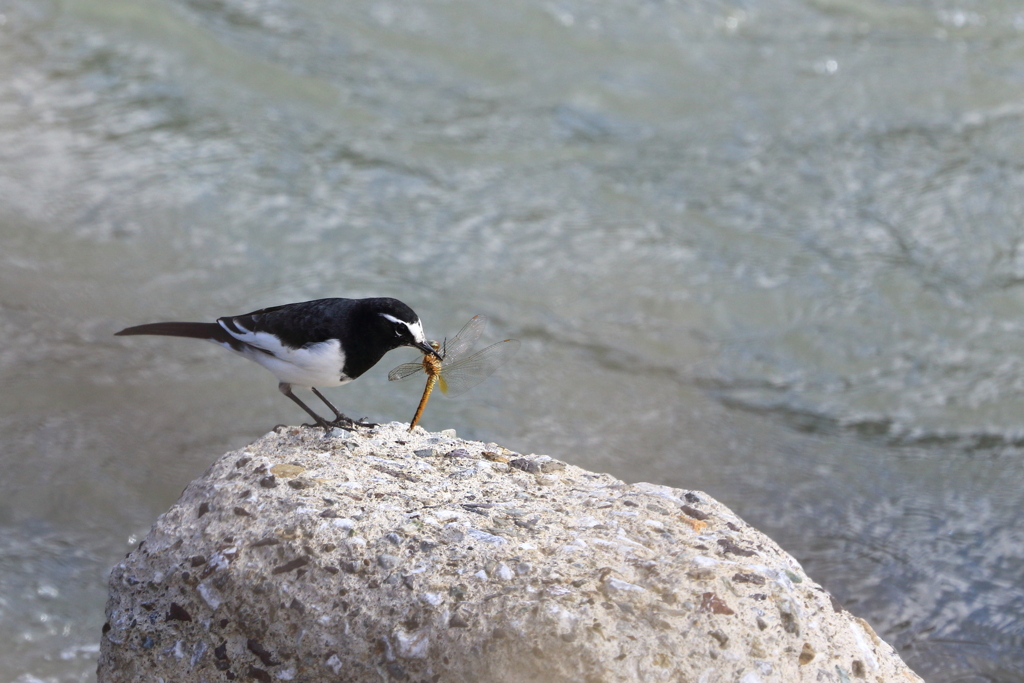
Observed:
{"x":454,"y":372}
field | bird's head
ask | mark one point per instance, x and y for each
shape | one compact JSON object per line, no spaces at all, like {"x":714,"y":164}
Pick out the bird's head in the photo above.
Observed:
{"x":404,"y":327}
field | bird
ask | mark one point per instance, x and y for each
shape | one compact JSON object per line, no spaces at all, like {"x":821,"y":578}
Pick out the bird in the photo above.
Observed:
{"x":310,"y":344}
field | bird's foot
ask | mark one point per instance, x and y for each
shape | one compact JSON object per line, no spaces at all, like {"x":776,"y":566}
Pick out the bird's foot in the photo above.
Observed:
{"x":346,"y":422}
{"x":324,"y":424}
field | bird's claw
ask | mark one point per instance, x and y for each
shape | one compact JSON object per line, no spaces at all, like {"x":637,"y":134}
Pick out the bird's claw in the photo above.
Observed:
{"x":348,"y":423}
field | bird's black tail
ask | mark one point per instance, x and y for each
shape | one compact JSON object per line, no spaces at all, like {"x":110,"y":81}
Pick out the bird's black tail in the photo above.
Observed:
{"x":209,"y":331}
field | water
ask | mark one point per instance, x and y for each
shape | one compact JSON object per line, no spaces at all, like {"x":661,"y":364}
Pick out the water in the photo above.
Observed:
{"x":769,"y":250}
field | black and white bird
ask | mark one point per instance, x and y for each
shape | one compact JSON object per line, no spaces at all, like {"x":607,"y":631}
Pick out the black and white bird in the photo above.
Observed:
{"x":322,"y":343}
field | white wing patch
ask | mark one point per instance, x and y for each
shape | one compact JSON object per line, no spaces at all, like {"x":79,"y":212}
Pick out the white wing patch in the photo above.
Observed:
{"x":316,"y":365}
{"x":415,"y":329}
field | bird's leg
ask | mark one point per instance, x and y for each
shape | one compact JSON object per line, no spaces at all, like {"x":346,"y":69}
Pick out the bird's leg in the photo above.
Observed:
{"x":286,"y":389}
{"x":339,"y":418}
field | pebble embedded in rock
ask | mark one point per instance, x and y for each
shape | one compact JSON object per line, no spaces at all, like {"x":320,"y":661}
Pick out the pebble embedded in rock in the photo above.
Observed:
{"x":525,"y":465}
{"x":741,"y":577}
{"x":290,"y":566}
{"x":178,"y":613}
{"x":286,"y":470}
{"x":695,"y":513}
{"x":714,"y":604}
{"x":386,"y":561}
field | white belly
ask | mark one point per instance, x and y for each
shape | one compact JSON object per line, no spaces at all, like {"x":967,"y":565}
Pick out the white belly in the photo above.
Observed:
{"x":317,"y":365}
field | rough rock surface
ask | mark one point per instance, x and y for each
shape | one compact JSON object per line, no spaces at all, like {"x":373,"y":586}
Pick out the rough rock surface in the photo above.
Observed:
{"x":394,"y":556}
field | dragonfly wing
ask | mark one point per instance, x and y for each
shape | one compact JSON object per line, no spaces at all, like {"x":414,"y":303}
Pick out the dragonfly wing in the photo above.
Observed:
{"x":405,"y":371}
{"x":464,"y":340}
{"x":463,"y":375}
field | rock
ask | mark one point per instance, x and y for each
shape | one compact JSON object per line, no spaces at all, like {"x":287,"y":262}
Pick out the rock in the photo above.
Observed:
{"x":389,"y":564}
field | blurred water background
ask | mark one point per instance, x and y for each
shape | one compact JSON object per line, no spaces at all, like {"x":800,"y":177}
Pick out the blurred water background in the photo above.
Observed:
{"x":768,"y":249}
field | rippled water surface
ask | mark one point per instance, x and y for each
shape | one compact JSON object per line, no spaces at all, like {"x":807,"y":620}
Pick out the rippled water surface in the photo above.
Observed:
{"x":770,"y":250}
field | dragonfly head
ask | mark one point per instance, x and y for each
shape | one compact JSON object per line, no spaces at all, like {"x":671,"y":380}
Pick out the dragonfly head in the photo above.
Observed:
{"x":430,"y":348}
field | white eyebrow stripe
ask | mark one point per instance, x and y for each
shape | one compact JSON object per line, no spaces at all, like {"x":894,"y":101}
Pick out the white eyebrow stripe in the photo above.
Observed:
{"x":415,"y":329}
{"x":417,"y":332}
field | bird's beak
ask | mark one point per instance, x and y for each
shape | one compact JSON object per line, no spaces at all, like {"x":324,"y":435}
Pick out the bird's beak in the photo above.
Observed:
{"x":427,"y":348}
